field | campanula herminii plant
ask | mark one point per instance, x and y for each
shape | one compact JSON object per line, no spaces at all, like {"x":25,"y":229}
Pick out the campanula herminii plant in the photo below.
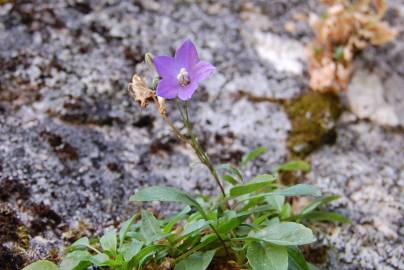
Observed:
{"x":249,"y":225}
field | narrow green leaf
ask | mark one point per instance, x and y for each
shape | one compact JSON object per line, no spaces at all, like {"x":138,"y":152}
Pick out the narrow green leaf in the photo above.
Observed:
{"x":108,"y":241}
{"x":230,"y":169}
{"x":285,"y":234}
{"x":296,"y":259}
{"x":230,"y":179}
{"x":167,"y":194}
{"x":297,"y":190}
{"x":267,"y":257}
{"x":164,"y":194}
{"x":255,"y":184}
{"x":253,"y":154}
{"x":325,"y":216}
{"x":150,"y":228}
{"x":317,"y":203}
{"x":296,"y":165}
{"x":42,"y":265}
{"x":124,"y":229}
{"x":196,"y":261}
{"x":76,"y":260}
{"x":145,"y":253}
{"x":173,"y":220}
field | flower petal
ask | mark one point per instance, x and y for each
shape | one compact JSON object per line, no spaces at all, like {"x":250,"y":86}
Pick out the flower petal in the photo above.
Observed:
{"x":201,"y":71}
{"x":186,"y":56}
{"x":166,"y":66}
{"x":185,"y":93}
{"x":168,"y":88}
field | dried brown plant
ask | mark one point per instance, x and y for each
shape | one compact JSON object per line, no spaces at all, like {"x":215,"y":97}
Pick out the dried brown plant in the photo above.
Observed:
{"x":346,"y":28}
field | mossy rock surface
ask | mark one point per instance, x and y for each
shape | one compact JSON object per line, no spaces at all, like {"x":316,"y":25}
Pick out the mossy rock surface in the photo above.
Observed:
{"x":313,"y":117}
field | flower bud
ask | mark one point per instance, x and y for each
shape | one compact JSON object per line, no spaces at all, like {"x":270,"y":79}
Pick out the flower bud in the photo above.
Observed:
{"x":149,"y":59}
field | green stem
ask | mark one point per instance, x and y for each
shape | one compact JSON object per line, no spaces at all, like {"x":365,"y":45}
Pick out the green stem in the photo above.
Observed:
{"x":200,"y":152}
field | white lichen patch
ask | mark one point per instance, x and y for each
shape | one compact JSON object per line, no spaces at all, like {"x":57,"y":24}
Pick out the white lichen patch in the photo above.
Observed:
{"x":284,"y":54}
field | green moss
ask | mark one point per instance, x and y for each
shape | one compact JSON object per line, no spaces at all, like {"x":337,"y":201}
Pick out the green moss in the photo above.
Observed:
{"x":313,"y":117}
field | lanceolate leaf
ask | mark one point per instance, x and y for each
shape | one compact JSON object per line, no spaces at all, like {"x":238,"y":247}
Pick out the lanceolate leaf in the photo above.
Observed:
{"x":297,"y":190}
{"x":322,"y":201}
{"x":296,"y":165}
{"x":285,"y":234}
{"x":42,"y":265}
{"x":124,"y":229}
{"x":296,"y":259}
{"x":164,"y":194}
{"x":267,"y":257}
{"x":255,"y":184}
{"x":325,"y":216}
{"x":196,"y":261}
{"x":253,"y":154}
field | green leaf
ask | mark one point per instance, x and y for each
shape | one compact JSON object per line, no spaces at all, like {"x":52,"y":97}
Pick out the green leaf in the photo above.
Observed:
{"x":255,"y":184}
{"x":108,"y":241}
{"x":253,"y":154}
{"x":296,"y":259}
{"x":231,"y":170}
{"x":150,"y":228}
{"x":197,"y":225}
{"x":125,"y":228}
{"x":196,"y":261}
{"x":42,"y":265}
{"x":286,"y":211}
{"x":267,"y":257}
{"x":173,"y":220}
{"x":129,"y":250}
{"x":285,"y":234}
{"x":276,"y":201}
{"x":145,"y":253}
{"x":297,"y":190}
{"x":317,"y":203}
{"x":164,"y":194}
{"x":227,"y":226}
{"x":76,"y":260}
{"x":296,"y":165}
{"x":230,"y":179}
{"x":81,"y":243}
{"x":100,"y":259}
{"x":325,"y":216}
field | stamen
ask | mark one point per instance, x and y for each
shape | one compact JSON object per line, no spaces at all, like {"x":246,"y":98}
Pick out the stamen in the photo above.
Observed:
{"x":183,"y":77}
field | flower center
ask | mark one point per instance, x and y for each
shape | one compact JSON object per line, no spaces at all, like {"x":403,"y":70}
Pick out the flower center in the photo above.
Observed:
{"x":183,"y":77}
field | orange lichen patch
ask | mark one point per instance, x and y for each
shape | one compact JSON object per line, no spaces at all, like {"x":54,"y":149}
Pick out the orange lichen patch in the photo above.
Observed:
{"x":345,"y":29}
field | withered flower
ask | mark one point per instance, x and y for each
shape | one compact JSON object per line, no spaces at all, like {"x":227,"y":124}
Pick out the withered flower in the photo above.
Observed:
{"x":139,"y":91}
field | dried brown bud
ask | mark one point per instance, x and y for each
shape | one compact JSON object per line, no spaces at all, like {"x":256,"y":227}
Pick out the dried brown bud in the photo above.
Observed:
{"x":139,"y":91}
{"x":162,"y":105}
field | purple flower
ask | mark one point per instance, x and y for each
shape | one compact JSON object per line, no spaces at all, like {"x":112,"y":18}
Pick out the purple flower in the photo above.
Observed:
{"x":181,"y":74}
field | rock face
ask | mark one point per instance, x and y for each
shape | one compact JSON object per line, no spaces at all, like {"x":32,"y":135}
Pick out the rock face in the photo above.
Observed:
{"x":74,"y":141}
{"x":381,"y":103}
